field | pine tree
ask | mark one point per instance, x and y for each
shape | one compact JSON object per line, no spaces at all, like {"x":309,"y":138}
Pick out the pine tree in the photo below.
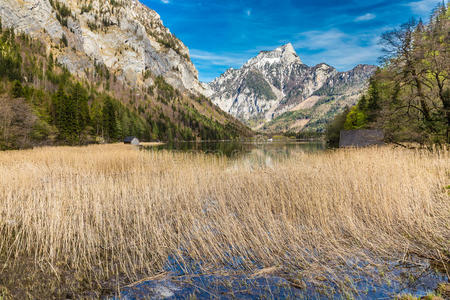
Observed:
{"x":70,"y":119}
{"x":362,"y":104}
{"x":374,"y":96}
{"x":169,"y":134}
{"x":120,"y":132}
{"x":155,"y":131}
{"x":50,"y":62}
{"x":78,"y":110}
{"x":96,"y":117}
{"x":109,"y":119}
{"x":59,"y":118}
{"x":64,"y":40}
{"x":17,"y":90}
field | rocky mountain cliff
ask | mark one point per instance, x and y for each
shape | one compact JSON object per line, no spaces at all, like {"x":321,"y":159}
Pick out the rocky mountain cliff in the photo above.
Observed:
{"x":275,"y":91}
{"x":116,"y":59}
{"x":124,"y":35}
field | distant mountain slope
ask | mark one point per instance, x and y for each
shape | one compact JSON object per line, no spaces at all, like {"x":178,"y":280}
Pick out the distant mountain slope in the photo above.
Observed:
{"x":114,"y":48}
{"x":275,"y":91}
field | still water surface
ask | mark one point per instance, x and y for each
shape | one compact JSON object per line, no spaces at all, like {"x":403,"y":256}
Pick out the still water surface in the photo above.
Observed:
{"x":182,"y":284}
{"x":240,"y":149}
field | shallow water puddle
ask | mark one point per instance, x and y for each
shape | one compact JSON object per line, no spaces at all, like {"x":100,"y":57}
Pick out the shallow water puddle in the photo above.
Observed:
{"x":178,"y":284}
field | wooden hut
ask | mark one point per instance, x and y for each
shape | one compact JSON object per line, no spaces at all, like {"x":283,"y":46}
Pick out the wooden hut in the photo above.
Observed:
{"x":131,"y":140}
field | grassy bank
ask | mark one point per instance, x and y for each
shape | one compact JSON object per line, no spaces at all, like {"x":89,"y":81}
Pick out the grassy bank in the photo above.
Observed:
{"x":99,"y":217}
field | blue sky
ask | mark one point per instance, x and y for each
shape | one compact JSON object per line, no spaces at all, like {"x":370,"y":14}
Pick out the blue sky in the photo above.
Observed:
{"x":226,"y":33}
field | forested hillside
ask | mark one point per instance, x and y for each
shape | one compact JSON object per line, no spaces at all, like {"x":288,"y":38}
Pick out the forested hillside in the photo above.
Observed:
{"x":41,"y":102}
{"x":409,"y":97}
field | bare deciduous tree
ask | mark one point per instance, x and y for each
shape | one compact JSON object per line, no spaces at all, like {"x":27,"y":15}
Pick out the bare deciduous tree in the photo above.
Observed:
{"x":417,"y":58}
{"x":16,"y":123}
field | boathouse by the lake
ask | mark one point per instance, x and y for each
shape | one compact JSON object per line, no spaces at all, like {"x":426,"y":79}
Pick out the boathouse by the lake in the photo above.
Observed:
{"x":361,"y":138}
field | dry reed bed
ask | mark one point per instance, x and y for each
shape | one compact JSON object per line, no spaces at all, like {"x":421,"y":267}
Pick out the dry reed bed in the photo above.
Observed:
{"x":109,"y":211}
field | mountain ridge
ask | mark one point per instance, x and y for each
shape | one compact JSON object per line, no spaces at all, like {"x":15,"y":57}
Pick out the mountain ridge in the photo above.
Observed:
{"x":285,"y":53}
{"x":125,"y":35}
{"x":275,"y":82}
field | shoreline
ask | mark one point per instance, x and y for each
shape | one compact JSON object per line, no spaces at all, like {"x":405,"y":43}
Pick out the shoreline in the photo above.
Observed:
{"x":86,"y":220}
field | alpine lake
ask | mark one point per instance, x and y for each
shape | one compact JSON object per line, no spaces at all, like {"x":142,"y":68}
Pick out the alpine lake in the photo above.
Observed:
{"x":263,"y":151}
{"x":187,"y":281}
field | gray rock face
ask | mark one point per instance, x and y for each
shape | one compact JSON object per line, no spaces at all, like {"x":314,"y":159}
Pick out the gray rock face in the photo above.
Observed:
{"x":126,"y":36}
{"x":276,"y":82}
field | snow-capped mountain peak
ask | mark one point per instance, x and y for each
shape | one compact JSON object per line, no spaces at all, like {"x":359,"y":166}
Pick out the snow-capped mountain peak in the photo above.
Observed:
{"x":282,"y":55}
{"x":275,"y":82}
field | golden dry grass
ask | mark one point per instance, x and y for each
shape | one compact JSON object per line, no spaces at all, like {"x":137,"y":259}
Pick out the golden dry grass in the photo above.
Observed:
{"x":108,"y":213}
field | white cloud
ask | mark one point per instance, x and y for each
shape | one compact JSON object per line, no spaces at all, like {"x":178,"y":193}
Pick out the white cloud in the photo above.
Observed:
{"x":320,"y":39}
{"x":423,"y":7}
{"x":209,"y":63}
{"x":366,"y":17}
{"x":228,"y":59}
{"x":248,"y":12}
{"x":338,"y":49}
{"x":165,"y":1}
